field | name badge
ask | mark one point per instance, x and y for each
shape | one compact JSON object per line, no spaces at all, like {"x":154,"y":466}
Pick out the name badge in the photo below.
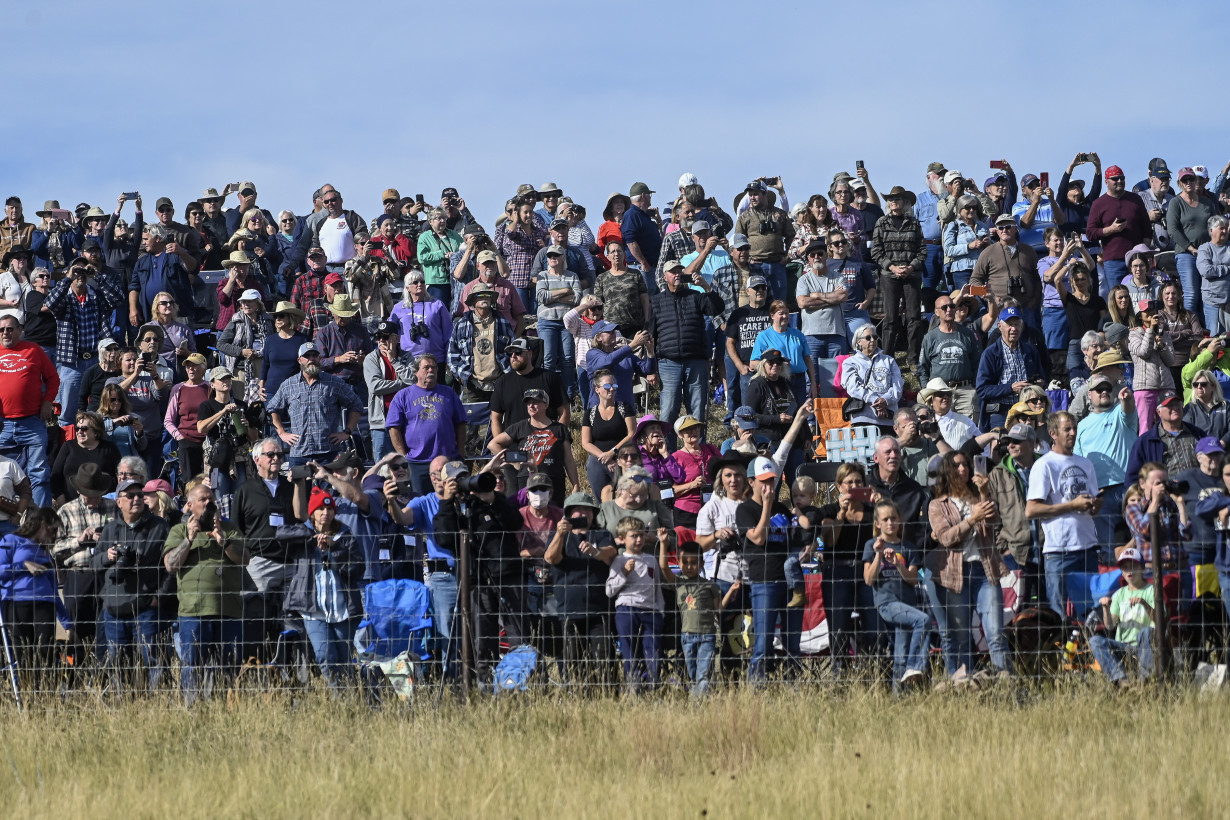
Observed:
{"x":667,"y":493}
{"x":385,"y":556}
{"x":705,"y":497}
{"x":276,"y":520}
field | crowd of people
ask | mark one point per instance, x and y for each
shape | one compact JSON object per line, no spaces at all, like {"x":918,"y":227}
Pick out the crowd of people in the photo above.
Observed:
{"x":219,"y":427}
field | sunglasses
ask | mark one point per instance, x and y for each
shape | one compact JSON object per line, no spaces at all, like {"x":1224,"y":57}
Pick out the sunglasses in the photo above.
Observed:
{"x":287,"y":221}
{"x":274,"y":454}
{"x":606,"y":387}
{"x":331,"y":201}
{"x":1034,"y":400}
{"x":839,"y":243}
{"x":1101,"y":388}
{"x":945,"y":308}
{"x":399,"y":465}
{"x":1200,"y":384}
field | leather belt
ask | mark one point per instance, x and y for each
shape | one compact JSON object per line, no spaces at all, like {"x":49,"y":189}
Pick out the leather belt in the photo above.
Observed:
{"x":931,"y":242}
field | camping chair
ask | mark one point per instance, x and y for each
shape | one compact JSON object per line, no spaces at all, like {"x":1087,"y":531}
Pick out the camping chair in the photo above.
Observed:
{"x":393,"y":635}
{"x":852,"y":443}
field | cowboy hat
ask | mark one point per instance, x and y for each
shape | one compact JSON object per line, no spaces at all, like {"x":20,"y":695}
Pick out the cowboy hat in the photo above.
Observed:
{"x":898,"y":191}
{"x":606,"y":212}
{"x":91,"y":480}
{"x":289,"y":309}
{"x":343,"y":306}
{"x":479,"y":292}
{"x":238,"y":258}
{"x":936,"y":385}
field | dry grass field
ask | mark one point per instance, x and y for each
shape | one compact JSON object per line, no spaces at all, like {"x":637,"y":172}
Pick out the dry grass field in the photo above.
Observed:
{"x":776,"y":753}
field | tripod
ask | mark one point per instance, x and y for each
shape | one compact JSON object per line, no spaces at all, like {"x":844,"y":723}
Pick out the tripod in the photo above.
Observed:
{"x":10,"y":659}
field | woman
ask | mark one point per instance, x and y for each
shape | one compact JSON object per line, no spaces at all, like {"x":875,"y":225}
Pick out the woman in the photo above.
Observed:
{"x":812,"y":222}
{"x":1207,"y":354}
{"x":655,"y":456}
{"x":1139,"y":281}
{"x":847,"y":217}
{"x":281,"y":354}
{"x":693,"y":459}
{"x":716,"y":529}
{"x":28,"y":590}
{"x":1034,"y":397}
{"x":178,"y":341}
{"x":121,"y":427}
{"x":1091,"y":346}
{"x":632,"y":498}
{"x":1213,"y":263}
{"x":965,"y":238}
{"x":1055,"y":269}
{"x":1120,"y":308}
{"x":606,"y":427}
{"x":791,"y":344}
{"x":845,"y":527}
{"x":183,"y":412}
{"x":611,"y":229}
{"x":966,"y":566}
{"x":558,"y":291}
{"x":1206,"y":407}
{"x":546,"y":443}
{"x":159,"y":497}
{"x":242,"y":344}
{"x":223,"y":420}
{"x":231,"y":289}
{"x":1187,"y":221}
{"x":1152,"y":358}
{"x":425,"y":321}
{"x":1084,"y":310}
{"x":89,"y":446}
{"x":624,"y":296}
{"x":772,"y":398}
{"x":324,"y":590}
{"x":580,"y":322}
{"x":873,"y":378}
{"x":627,"y":457}
{"x":1183,"y":326}
{"x":518,"y":241}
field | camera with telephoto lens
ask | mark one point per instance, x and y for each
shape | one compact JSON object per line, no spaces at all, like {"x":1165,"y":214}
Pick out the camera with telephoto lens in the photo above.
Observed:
{"x":480,"y":483}
{"x":1177,"y":487}
{"x":125,"y":556}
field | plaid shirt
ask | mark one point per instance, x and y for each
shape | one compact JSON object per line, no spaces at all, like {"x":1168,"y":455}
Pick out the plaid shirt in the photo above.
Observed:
{"x":315,"y":411}
{"x":80,"y":324}
{"x":1173,"y":532}
{"x":728,"y":283}
{"x":461,"y":346}
{"x":308,"y":294}
{"x":898,"y":240}
{"x":675,"y":245}
{"x":519,"y":249}
{"x":76,"y":518}
{"x":1014,"y":366}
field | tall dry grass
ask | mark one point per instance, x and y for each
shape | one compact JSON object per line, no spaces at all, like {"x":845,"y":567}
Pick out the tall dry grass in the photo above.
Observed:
{"x":777,"y":753}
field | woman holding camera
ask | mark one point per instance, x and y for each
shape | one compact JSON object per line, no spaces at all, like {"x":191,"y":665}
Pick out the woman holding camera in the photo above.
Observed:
{"x":242,"y":343}
{"x":223,"y":420}
{"x":1184,"y":326}
{"x":1056,"y":270}
{"x":1152,"y":357}
{"x":845,"y":527}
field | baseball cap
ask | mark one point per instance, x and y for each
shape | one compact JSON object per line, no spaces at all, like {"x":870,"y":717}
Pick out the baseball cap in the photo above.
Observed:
{"x":127,"y":485}
{"x":319,"y":498}
{"x":306,"y":348}
{"x":688,"y":179}
{"x":771,"y":355}
{"x":674,"y":264}
{"x":106,"y":343}
{"x":936,"y":168}
{"x":952,"y":176}
{"x":163,"y":202}
{"x":195,"y":358}
{"x":453,"y":469}
{"x":745,"y":417}
{"x":390,"y":195}
{"x":700,"y":225}
{"x":388,"y":327}
{"x":1157,"y":168}
{"x":738,"y":240}
{"x":1021,"y":432}
{"x":251,"y":295}
{"x":998,"y":178}
{"x":247,"y":187}
{"x":316,"y":250}
{"x":1201,"y":171}
{"x":1115,"y":333}
{"x":761,"y":468}
{"x":559,"y":225}
{"x":555,"y":250}
{"x":450,"y":191}
{"x":580,"y":499}
{"x":517,"y":344}
{"x":539,"y":481}
{"x":1131,"y":554}
{"x":220,"y":373}
{"x":1168,"y":396}
{"x":1186,"y":172}
{"x":603,"y":326}
{"x":1010,"y":313}
{"x":639,"y":188}
{"x":1209,"y":444}
{"x":535,"y":394}
{"x":334,"y":278}
{"x":1114,"y":171}
{"x":489,"y":256}
{"x":1004,"y":219}
{"x":756,"y":186}
{"x":1029,"y":179}
{"x":684,"y":422}
{"x":1099,"y":378}
{"x":757,"y":282}
{"x":158,"y":485}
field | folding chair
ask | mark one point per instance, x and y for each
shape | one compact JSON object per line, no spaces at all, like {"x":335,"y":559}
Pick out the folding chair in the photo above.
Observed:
{"x":392,"y":637}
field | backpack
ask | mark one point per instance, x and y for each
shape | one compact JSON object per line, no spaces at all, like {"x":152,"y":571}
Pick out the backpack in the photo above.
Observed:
{"x":513,"y":673}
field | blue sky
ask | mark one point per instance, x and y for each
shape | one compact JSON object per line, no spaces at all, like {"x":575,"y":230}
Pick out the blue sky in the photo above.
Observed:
{"x":168,"y":98}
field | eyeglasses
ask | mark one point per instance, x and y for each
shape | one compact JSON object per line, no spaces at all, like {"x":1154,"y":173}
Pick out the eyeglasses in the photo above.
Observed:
{"x":399,"y":465}
{"x":1101,"y":388}
{"x":287,"y":221}
{"x":166,"y":210}
{"x":627,"y":455}
{"x":331,"y":201}
{"x":149,"y":340}
{"x":164,"y":303}
{"x":131,"y":496}
{"x":837,"y":243}
{"x":518,"y":352}
{"x":870,"y":338}
{"x":945,"y":308}
{"x":1035,"y":400}
{"x":773,"y":364}
{"x":274,"y":454}
{"x":1116,"y":178}
{"x":7,"y":330}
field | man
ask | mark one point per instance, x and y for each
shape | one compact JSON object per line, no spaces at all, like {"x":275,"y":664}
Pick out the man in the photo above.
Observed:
{"x":92,"y":253}
{"x":335,"y":231}
{"x":950,"y":351}
{"x":367,"y":278}
{"x":214,"y":223}
{"x":456,"y":215}
{"x":27,"y":390}
{"x":821,"y":294}
{"x":1106,"y":437}
{"x":549,"y":195}
{"x":405,"y":222}
{"x":1109,"y":363}
{"x":246,"y":201}
{"x":425,"y":420}
{"x":889,"y":482}
{"x":314,"y":402}
{"x":743,"y":327}
{"x":898,"y":250}
{"x":677,"y":325}
{"x":261,"y":505}
{"x":478,"y":346}
{"x":1017,"y":538}
{"x":15,"y":231}
{"x":81,"y":522}
{"x":577,"y":261}
{"x":310,"y":293}
{"x":1011,"y":270}
{"x":730,"y":281}
{"x":1001,"y":189}
{"x":54,"y":243}
{"x":860,"y":282}
{"x":770,"y":232}
{"x":919,"y":440}
{"x":386,"y":370}
{"x":507,"y":402}
{"x":130,"y":558}
{"x":96,"y":376}
{"x":677,"y":244}
{"x":710,"y":255}
{"x":464,"y":265}
{"x":1035,"y":212}
{"x":1063,"y":497}
{"x":184,"y":242}
{"x":207,"y":557}
{"x":641,"y":234}
{"x":1118,"y":221}
{"x":497,"y":579}
{"x":1073,"y":215}
{"x":343,"y":343}
{"x":434,"y":249}
{"x":1157,"y":196}
{"x":926,"y":211}
{"x":1006,"y":366}
{"x":958,"y":430}
{"x":160,"y":269}
{"x":16,"y":494}
{"x":1171,"y":442}
{"x":957,"y":186}
{"x":507,"y":300}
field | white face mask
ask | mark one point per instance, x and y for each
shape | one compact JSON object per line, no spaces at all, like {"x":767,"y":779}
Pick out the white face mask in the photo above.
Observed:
{"x":539,"y":498}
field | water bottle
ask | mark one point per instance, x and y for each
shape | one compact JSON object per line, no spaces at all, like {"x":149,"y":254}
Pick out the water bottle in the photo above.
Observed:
{"x":237,"y":422}
{"x":1069,"y":651}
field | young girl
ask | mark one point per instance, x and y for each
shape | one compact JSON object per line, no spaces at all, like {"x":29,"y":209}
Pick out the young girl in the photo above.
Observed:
{"x":803,"y":517}
{"x":636,"y":586}
{"x":889,"y":566}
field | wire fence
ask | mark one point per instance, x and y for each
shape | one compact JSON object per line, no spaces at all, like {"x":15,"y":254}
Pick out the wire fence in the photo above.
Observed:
{"x":592,"y":622}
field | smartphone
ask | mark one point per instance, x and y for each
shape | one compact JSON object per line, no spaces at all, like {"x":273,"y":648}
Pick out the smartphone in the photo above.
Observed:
{"x":980,"y":465}
{"x":858,"y":163}
{"x":130,"y":194}
{"x":515,"y":457}
{"x":862,"y":494}
{"x":418,"y":198}
{"x":403,"y":488}
{"x":1045,"y":179}
{"x":998,"y":164}
{"x":1082,"y":157}
{"x":977,"y":290}
{"x":149,"y":359}
{"x":62,"y":214}
{"x":300,"y":472}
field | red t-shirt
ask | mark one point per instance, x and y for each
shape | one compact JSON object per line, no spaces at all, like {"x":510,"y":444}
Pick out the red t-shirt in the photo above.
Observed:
{"x":27,"y":379}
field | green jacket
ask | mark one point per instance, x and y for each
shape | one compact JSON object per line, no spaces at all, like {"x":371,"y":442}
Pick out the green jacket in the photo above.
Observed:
{"x":434,"y":253}
{"x":1204,"y":361}
{"x":209,"y":582}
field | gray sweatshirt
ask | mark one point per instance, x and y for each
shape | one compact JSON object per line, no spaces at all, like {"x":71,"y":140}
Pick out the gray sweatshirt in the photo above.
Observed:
{"x":639,"y":589}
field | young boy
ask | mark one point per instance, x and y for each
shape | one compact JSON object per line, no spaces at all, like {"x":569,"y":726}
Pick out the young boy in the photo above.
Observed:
{"x":889,"y":566}
{"x":803,"y":517}
{"x":1130,"y":613}
{"x":700,"y":602}
{"x":636,"y":585}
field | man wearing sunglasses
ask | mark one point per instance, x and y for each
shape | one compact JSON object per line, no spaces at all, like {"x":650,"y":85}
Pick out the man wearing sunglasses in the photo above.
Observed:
{"x":334,"y":232}
{"x":950,"y":351}
{"x":26,"y":392}
{"x":262,"y":504}
{"x":1119,"y":221}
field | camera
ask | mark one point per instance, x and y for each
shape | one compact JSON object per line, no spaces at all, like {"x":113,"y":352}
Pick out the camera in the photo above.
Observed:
{"x":126,"y":556}
{"x":481,"y":483}
{"x":766,"y":226}
{"x":1179,"y":487}
{"x":929,"y":428}
{"x":728,"y":545}
{"x":209,"y":518}
{"x":404,"y":488}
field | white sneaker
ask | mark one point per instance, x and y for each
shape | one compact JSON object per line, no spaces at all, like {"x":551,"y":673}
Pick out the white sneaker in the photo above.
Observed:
{"x":910,"y":676}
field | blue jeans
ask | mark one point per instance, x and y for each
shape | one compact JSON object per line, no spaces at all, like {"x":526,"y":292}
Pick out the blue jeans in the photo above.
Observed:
{"x":1114,"y":270}
{"x":698,"y":652}
{"x":27,"y":436}
{"x":1109,"y":653}
{"x":1214,"y":318}
{"x":1189,"y":277}
{"x":559,"y":352}
{"x":1224,"y":579}
{"x":69,"y":393}
{"x":854,"y":320}
{"x":420,"y":477}
{"x":212,"y":640}
{"x":736,"y":388}
{"x":643,"y":626}
{"x":599,"y":476}
{"x":381,"y":444}
{"x":960,"y":278}
{"x":443,"y":292}
{"x":1058,"y":565}
{"x":1105,"y":521}
{"x":528,"y":299}
{"x":775,"y":272}
{"x":827,"y":346}
{"x":1055,"y":328}
{"x":140,"y":632}
{"x":933,"y":267}
{"x":687,"y":379}
{"x":913,"y":629}
{"x":793,"y":568}
{"x":331,"y":646}
{"x":768,"y":610}
{"x":956,"y":638}
{"x":443,"y":587}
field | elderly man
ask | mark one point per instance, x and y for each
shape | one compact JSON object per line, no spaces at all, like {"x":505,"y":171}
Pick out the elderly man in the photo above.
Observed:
{"x":770,"y":231}
{"x":898,"y":250}
{"x":956,"y":186}
{"x":425,"y":420}
{"x":1063,"y":497}
{"x":262,"y":504}
{"x":314,"y":289}
{"x":159,"y":270}
{"x":677,"y":244}
{"x":1171,"y":442}
{"x":335,"y":231}
{"x":821,"y":294}
{"x":1011,"y":270}
{"x":710,"y":255}
{"x":891,"y":483}
{"x":920,"y":441}
{"x":950,"y":351}
{"x":641,"y":234}
{"x":80,"y":304}
{"x":1015,"y":537}
{"x":184,"y":242}
{"x":1118,"y":221}
{"x":681,"y":343}
{"x":926,"y":211}
{"x":507,"y":301}
{"x":1109,"y":363}
{"x":322,"y":409}
{"x":1105,"y":437}
{"x":955,"y":428}
{"x":27,"y":391}
{"x":1006,"y":366}
{"x":344,"y":343}
{"x":1157,"y":196}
